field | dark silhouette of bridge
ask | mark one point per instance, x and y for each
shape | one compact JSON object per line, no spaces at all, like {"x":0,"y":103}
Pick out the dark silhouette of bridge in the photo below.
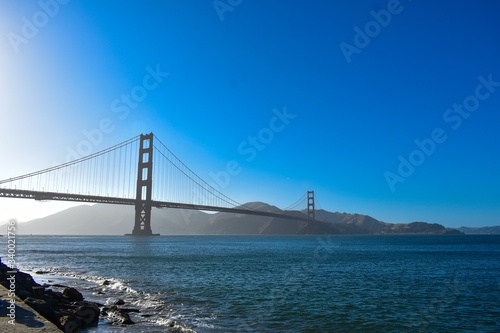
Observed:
{"x":115,"y":176}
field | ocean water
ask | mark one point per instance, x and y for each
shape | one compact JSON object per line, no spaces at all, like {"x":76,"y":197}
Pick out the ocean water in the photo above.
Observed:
{"x":280,"y":283}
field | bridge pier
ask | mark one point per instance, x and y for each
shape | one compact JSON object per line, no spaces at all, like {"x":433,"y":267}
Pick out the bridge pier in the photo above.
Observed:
{"x":142,"y":225}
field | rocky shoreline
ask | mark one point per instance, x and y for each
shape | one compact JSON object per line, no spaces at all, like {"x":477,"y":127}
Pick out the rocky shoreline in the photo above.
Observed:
{"x":68,"y":310}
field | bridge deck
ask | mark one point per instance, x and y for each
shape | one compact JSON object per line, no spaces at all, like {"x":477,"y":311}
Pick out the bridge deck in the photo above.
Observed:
{"x":36,"y":195}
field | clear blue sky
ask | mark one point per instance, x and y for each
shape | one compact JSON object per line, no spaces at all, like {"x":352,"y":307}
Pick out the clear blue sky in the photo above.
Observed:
{"x":358,"y":93}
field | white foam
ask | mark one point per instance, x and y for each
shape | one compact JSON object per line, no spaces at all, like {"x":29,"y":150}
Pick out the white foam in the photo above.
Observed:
{"x":173,"y":325}
{"x":115,"y":289}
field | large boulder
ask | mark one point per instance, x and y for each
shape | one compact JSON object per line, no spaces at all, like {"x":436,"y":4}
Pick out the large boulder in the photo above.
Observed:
{"x":117,"y":316}
{"x":87,"y":313}
{"x":40,"y":306}
{"x":69,"y":324}
{"x":72,"y":295}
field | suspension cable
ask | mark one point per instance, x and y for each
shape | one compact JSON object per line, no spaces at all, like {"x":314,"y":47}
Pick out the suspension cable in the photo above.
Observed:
{"x":60,"y":166}
{"x":212,"y":190}
{"x":296,"y":203}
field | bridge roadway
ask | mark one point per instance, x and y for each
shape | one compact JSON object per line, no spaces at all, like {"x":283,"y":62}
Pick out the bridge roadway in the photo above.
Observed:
{"x":37,"y":195}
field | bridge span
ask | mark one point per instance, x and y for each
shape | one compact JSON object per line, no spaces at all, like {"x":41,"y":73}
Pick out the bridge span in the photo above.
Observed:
{"x":97,"y":174}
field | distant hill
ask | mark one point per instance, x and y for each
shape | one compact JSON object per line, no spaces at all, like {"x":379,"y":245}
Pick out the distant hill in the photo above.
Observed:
{"x":494,"y":230}
{"x":364,"y":224}
{"x":104,"y":219}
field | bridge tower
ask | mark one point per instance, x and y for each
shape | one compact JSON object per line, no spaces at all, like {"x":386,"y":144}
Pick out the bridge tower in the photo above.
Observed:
{"x":310,"y":205}
{"x":142,"y":226}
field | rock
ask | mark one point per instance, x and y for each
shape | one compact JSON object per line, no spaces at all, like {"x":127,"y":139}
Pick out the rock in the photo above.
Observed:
{"x":57,"y":285}
{"x":69,"y":324}
{"x":117,"y":316}
{"x":41,"y":306}
{"x":24,"y":285}
{"x":38,"y":291}
{"x":49,"y":299}
{"x":72,"y":295}
{"x":87,"y":313}
{"x":25,"y":280}
{"x":67,"y":310}
{"x":120,"y":302}
{"x":42,"y":272}
{"x":106,"y":283}
{"x":23,"y":293}
{"x":56,"y":297}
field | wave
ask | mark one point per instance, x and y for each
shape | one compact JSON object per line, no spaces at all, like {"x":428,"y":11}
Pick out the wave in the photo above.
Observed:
{"x":153,"y":311}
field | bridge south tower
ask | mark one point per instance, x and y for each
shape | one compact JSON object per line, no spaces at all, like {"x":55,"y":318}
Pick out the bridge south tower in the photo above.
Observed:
{"x":142,"y":226}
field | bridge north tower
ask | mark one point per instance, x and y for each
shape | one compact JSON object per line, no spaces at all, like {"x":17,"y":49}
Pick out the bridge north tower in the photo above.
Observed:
{"x":310,"y":205}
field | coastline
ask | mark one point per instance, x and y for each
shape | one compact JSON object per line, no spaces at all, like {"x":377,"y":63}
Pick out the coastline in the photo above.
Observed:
{"x":27,"y":319}
{"x":119,"y":306}
{"x":67,"y":310}
{"x":51,"y":303}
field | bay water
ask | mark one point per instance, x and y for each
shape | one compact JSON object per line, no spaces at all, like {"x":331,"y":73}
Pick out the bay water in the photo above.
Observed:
{"x":279,"y":283}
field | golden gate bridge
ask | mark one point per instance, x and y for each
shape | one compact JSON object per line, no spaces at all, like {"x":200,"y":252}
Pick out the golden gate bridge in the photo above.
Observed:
{"x":124,"y":175}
